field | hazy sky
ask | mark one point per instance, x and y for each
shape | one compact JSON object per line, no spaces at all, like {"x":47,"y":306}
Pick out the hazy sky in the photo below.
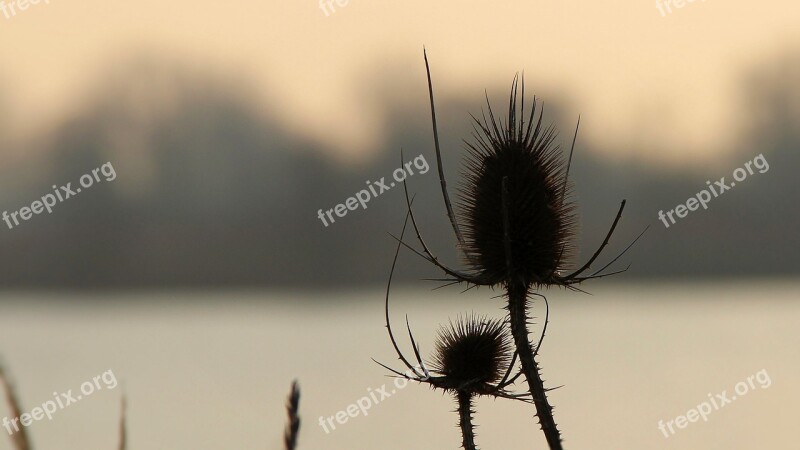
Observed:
{"x":667,"y":85}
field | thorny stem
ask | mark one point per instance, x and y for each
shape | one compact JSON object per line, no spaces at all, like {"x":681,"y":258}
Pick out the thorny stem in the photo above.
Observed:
{"x":517,"y":308}
{"x":465,"y":419}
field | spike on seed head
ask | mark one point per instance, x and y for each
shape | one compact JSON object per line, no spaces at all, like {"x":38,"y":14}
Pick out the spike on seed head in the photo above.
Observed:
{"x":519,"y":222}
{"x":472,"y":353}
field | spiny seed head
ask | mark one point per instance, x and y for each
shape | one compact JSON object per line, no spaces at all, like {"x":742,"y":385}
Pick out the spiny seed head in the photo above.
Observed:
{"x":472,"y":353}
{"x":516,"y":164}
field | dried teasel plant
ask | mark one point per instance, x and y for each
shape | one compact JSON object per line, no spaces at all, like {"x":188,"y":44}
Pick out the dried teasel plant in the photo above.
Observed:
{"x":473,"y":357}
{"x":519,"y":223}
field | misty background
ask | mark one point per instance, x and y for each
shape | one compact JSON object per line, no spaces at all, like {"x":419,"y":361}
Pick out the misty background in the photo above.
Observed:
{"x":212,"y":190}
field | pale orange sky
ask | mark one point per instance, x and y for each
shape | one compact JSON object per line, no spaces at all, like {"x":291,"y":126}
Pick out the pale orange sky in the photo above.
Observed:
{"x":669,"y":84}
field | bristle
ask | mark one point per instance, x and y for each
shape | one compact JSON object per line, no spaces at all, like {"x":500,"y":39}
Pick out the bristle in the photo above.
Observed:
{"x":472,"y":352}
{"x":537,"y":223}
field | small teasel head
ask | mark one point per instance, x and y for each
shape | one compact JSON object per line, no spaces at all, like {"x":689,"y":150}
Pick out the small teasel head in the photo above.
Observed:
{"x":472,"y":358}
{"x":519,"y":224}
{"x":471,"y":355}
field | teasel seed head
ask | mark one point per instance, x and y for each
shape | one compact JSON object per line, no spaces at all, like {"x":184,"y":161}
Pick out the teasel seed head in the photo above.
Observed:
{"x":515,"y":188}
{"x":471,"y":354}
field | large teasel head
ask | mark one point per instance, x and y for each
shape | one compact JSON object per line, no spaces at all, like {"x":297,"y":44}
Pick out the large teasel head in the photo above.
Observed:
{"x":519,"y":223}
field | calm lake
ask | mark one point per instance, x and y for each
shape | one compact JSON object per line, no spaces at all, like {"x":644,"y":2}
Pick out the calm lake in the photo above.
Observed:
{"x":211,"y":370}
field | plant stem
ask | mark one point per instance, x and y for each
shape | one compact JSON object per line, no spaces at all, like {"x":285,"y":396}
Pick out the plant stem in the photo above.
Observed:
{"x":517,"y":308}
{"x":20,"y":438}
{"x":465,"y":420}
{"x":293,"y":427}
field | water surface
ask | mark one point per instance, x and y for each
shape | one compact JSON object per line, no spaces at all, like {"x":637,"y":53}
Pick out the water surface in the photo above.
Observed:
{"x":211,"y":370}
